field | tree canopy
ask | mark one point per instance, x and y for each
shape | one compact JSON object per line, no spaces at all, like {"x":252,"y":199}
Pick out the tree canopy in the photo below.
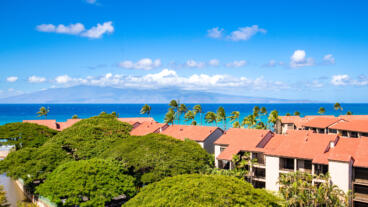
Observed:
{"x":25,"y":134}
{"x":155,"y":156}
{"x":90,"y":137}
{"x":87,"y":183}
{"x":202,"y":190}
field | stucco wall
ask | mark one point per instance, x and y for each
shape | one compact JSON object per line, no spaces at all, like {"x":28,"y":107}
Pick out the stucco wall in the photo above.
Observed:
{"x":217,"y":153}
{"x":208,"y":143}
{"x":341,"y":173}
{"x":272,"y":172}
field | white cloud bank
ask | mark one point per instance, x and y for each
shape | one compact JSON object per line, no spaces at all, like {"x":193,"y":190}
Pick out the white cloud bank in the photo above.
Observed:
{"x":11,"y":79}
{"x":215,"y":32}
{"x":344,"y":80}
{"x":169,"y":78}
{"x":236,"y":64}
{"x":78,"y":29}
{"x":142,"y":64}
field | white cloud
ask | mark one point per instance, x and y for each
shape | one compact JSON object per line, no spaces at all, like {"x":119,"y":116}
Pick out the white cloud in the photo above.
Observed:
{"x":214,"y":62}
{"x":215,"y":32}
{"x":36,"y":79}
{"x":99,"y":30}
{"x":245,"y":33}
{"x":344,"y":80}
{"x":63,"y":79}
{"x":194,"y":64}
{"x":329,"y":59}
{"x":237,"y":63}
{"x":299,"y":59}
{"x":11,"y":79}
{"x":142,"y":64}
{"x":78,"y":29}
{"x":169,"y":78}
{"x":273,"y":63}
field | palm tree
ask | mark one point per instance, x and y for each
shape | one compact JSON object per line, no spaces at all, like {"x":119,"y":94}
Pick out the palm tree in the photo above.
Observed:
{"x":189,"y":115}
{"x":287,"y":114}
{"x":321,"y":110}
{"x":256,"y":111}
{"x":234,"y":116}
{"x":261,"y":125}
{"x":337,"y":106}
{"x":75,"y":116}
{"x":250,"y":121}
{"x":182,"y":109}
{"x":210,"y":117}
{"x":174,"y":105}
{"x":221,"y":115}
{"x":115,"y":114}
{"x":349,"y":113}
{"x":236,"y":124}
{"x":198,"y":109}
{"x":263,"y":111}
{"x":296,"y":113}
{"x":194,"y":123}
{"x":43,"y":112}
{"x":170,"y":116}
{"x":146,"y":109}
{"x":273,"y":117}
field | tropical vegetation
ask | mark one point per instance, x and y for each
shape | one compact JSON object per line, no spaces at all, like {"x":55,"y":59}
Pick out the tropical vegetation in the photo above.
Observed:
{"x":43,"y":112}
{"x":202,"y":190}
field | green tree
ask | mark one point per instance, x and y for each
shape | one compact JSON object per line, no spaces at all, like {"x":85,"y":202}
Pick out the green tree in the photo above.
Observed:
{"x":298,"y":190}
{"x":203,"y":190}
{"x":170,"y":116}
{"x":210,"y":117}
{"x":182,"y":109}
{"x":25,"y":204}
{"x":197,"y":109}
{"x":263,"y":111}
{"x":146,"y":109}
{"x":235,"y":116}
{"x":337,"y":107}
{"x":287,"y":114}
{"x":3,"y":201}
{"x":296,"y":113}
{"x":175,"y":106}
{"x":249,"y":121}
{"x":75,"y":116}
{"x":321,"y":110}
{"x":155,"y":156}
{"x":236,"y":124}
{"x":92,"y":182}
{"x":194,"y":123}
{"x":43,"y":112}
{"x":256,"y":111}
{"x":25,"y":134}
{"x":349,"y":113}
{"x":221,"y":116}
{"x":115,"y":114}
{"x":273,"y":117}
{"x":189,"y":115}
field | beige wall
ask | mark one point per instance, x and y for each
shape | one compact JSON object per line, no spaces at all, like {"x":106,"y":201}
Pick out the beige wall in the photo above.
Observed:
{"x":272,"y":172}
{"x":208,"y":143}
{"x":341,"y":174}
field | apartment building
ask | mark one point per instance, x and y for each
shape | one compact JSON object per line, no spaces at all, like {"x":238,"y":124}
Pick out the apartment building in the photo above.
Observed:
{"x":53,"y":124}
{"x":345,"y":159}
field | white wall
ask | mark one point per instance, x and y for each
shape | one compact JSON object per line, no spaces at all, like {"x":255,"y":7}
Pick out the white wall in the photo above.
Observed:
{"x":272,"y":172}
{"x":217,"y":153}
{"x":341,"y":174}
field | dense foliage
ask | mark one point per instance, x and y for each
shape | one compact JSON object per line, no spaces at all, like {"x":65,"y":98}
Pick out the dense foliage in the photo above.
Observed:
{"x":3,"y":201}
{"x":298,"y":190}
{"x":90,"y":137}
{"x":155,"y":156}
{"x":92,"y":182}
{"x":25,"y":134}
{"x":202,"y":190}
{"x":34,"y":164}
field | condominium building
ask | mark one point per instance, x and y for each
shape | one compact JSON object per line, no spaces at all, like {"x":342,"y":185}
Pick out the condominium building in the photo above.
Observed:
{"x":345,"y":159}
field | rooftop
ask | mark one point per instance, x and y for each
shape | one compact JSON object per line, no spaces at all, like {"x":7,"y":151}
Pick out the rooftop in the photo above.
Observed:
{"x":352,"y":125}
{"x":321,"y":122}
{"x":147,"y":127}
{"x":196,"y":133}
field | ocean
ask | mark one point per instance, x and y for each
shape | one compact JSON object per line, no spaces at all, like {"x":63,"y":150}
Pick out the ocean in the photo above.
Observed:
{"x":61,"y":112}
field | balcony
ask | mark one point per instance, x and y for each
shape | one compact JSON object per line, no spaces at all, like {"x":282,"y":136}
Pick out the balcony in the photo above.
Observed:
{"x":287,"y":164}
{"x":361,"y":176}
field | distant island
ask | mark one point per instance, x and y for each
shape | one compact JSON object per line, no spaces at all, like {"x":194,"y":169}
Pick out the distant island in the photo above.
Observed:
{"x":96,"y":94}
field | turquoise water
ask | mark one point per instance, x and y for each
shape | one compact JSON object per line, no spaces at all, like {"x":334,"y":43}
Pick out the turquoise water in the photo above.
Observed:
{"x":62,"y":112}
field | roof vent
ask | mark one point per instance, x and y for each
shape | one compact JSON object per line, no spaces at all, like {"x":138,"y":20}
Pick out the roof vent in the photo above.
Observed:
{"x":181,"y":129}
{"x":306,"y":138}
{"x":332,"y":144}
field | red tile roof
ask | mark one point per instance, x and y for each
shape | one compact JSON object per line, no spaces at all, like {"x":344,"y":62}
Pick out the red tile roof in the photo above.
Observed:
{"x":300,"y":121}
{"x":68,"y":123}
{"x":354,"y":117}
{"x":136,"y":119}
{"x":49,"y":123}
{"x":321,"y":122}
{"x":238,"y":139}
{"x":355,"y":125}
{"x":147,"y":127}
{"x":196,"y":133}
{"x":302,"y":144}
{"x":351,"y":148}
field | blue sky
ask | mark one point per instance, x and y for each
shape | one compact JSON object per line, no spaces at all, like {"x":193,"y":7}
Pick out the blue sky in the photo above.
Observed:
{"x":315,"y":50}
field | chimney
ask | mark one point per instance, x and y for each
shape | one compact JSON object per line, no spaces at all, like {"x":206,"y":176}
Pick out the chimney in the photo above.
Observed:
{"x":332,"y":144}
{"x":160,"y":129}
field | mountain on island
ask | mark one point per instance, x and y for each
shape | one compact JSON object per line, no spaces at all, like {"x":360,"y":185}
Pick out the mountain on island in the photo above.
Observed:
{"x":96,"y":94}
